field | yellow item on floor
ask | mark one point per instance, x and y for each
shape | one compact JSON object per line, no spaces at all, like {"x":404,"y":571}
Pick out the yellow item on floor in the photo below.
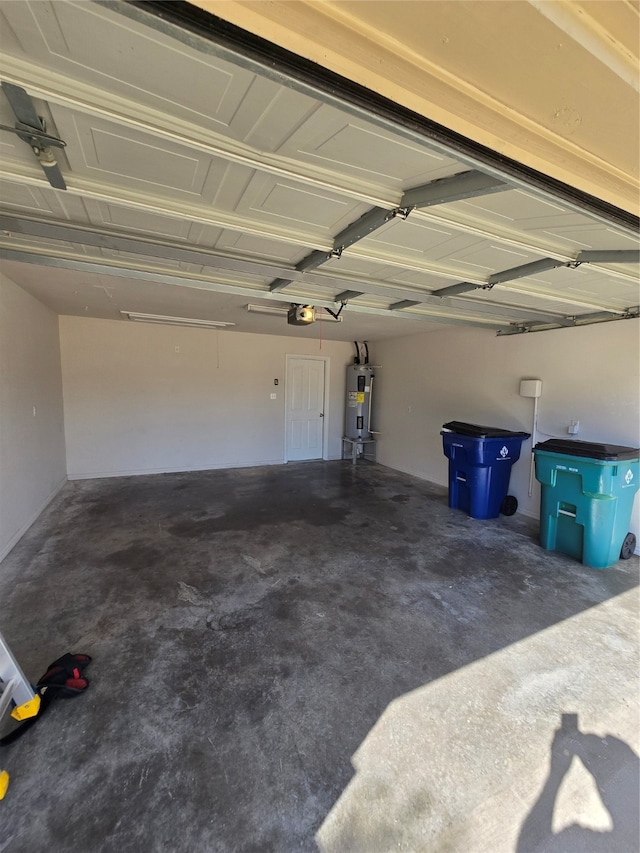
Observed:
{"x":27,"y":709}
{"x":4,"y":783}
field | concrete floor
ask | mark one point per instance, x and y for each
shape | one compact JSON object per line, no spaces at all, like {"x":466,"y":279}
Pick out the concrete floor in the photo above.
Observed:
{"x":316,"y":657}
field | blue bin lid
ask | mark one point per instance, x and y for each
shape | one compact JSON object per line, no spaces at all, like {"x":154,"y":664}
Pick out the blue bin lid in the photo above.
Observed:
{"x":590,"y":449}
{"x":477,"y":431}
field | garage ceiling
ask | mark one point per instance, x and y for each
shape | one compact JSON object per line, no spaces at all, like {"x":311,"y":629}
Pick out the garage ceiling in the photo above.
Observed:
{"x":198,"y":181}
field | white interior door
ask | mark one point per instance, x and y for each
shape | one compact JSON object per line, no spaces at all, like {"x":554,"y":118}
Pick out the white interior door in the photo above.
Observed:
{"x":305,"y":408}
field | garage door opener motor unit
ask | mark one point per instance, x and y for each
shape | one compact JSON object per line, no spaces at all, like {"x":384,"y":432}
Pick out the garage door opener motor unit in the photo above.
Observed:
{"x":301,"y":315}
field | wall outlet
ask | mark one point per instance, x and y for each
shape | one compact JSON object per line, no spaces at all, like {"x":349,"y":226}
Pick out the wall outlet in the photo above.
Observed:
{"x":573,"y":427}
{"x":273,"y":396}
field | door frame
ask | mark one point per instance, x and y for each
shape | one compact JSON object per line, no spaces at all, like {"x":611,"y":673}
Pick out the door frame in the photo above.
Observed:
{"x":289,"y":357}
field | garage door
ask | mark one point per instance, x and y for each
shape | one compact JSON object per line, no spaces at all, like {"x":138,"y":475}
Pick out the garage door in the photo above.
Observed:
{"x":169,"y":175}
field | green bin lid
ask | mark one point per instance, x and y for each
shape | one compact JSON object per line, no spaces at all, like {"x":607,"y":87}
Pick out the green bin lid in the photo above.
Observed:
{"x":477,"y":431}
{"x":591,"y":449}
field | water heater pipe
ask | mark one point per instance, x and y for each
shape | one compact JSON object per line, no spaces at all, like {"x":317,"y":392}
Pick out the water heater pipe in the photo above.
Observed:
{"x":372,"y":431}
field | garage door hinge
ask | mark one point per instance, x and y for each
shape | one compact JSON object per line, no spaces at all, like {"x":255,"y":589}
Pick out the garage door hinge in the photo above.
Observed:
{"x":402,"y":212}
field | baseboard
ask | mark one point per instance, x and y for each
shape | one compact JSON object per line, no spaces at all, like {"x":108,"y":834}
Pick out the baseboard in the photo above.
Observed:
{"x":139,"y":472}
{"x":18,"y":536}
{"x":527,"y":514}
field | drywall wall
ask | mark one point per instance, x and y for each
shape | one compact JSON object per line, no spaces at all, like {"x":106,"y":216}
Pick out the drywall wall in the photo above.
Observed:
{"x":589,"y":374}
{"x":152,"y":398}
{"x":32,"y":451}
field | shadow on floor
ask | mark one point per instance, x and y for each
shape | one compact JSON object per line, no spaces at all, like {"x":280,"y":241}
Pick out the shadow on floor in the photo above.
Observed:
{"x":615,"y":769}
{"x":248,"y":628}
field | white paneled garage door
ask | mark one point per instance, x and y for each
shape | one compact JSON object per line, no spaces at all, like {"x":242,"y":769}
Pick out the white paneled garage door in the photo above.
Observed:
{"x":166,"y":174}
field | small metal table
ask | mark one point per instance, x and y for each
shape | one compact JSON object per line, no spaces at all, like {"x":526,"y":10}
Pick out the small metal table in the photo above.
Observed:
{"x":361,"y":443}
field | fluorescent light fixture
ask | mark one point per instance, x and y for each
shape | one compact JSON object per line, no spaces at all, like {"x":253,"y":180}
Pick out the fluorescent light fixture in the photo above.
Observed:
{"x":175,"y":321}
{"x":282,"y":312}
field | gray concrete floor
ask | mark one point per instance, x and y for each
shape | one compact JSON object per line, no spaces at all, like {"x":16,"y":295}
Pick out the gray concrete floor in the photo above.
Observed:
{"x":316,"y":657}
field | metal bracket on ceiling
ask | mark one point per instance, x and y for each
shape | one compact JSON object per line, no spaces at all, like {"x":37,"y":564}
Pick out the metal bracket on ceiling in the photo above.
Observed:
{"x":573,"y":265}
{"x":609,"y":256}
{"x":35,"y":138}
{"x":572,"y":321}
{"x":346,"y":295}
{"x":515,"y":329}
{"x":402,"y":212}
{"x":32,"y":129}
{"x":441,"y":191}
{"x":403,"y":303}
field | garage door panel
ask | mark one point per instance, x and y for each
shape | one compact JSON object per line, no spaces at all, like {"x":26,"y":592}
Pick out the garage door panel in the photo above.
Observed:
{"x":13,"y":152}
{"x":9,"y":39}
{"x":25,"y":198}
{"x":422,"y":279}
{"x":589,"y":235}
{"x":200,"y":234}
{"x":350,"y":264}
{"x":520,"y":213}
{"x":573,"y":287}
{"x":208,"y":91}
{"x":105,"y":151}
{"x":132,"y":259}
{"x":328,"y":138}
{"x":460,"y":253}
{"x":182,"y":147}
{"x":513,"y":206}
{"x":43,"y":201}
{"x":592,"y":283}
{"x":120,"y":217}
{"x":276,"y":251}
{"x":487,"y":258}
{"x":412,"y":236}
{"x":268,"y":115}
{"x":291,"y":203}
{"x":524,"y":299}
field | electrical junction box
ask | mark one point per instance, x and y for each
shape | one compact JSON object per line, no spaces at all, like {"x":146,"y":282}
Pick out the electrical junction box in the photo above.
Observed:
{"x":301,"y":315}
{"x":530,"y":387}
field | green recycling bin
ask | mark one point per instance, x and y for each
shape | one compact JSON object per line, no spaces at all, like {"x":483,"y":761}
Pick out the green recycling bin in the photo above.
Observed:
{"x":587,"y":499}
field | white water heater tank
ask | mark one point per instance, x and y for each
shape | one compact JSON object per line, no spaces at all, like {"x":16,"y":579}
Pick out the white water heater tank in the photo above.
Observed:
{"x":357,"y":424}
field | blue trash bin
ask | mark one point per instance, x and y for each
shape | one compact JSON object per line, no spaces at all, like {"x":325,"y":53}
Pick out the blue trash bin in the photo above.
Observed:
{"x":480,"y":461}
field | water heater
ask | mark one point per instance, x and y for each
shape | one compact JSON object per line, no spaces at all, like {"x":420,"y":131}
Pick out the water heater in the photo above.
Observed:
{"x":359,"y":396}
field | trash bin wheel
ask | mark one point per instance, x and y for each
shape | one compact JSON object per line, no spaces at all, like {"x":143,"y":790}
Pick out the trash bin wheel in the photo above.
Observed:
{"x":628,"y":546}
{"x":509,"y":505}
